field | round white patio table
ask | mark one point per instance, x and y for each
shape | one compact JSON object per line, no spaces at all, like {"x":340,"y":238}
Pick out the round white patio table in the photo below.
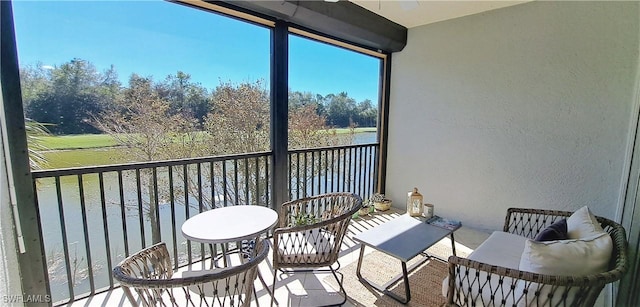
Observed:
{"x":229,"y":224}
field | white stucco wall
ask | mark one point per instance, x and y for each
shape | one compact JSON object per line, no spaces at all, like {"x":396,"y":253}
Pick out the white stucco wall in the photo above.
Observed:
{"x":526,"y":106}
{"x":9,"y":275}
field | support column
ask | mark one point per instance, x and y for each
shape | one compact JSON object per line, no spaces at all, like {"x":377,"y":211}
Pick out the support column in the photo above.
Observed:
{"x":383,"y":124}
{"x":26,"y":227}
{"x":279,"y":113}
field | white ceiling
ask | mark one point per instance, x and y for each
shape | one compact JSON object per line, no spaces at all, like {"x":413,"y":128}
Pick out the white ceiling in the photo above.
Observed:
{"x":413,"y":13}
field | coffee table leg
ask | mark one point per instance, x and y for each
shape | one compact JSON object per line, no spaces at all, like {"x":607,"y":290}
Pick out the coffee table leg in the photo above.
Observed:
{"x":360,"y":261}
{"x":407,"y":290}
{"x":383,"y":289}
{"x":453,"y":245}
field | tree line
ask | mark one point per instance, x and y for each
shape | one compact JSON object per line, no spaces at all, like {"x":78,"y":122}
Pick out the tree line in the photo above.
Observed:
{"x":71,"y":98}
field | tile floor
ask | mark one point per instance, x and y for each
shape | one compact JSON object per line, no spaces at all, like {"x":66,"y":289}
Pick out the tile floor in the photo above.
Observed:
{"x":306,"y":289}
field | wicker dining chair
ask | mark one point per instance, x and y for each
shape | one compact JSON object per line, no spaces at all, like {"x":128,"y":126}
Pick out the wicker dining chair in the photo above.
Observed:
{"x":468,"y":279}
{"x":310,"y":233}
{"x":149,"y":273}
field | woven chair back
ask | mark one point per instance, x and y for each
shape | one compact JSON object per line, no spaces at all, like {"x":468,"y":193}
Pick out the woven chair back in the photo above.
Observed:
{"x":311,"y":230}
{"x":149,"y":274}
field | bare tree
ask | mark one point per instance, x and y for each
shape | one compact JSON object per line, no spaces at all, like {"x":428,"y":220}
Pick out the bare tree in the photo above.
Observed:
{"x":239,"y":122}
{"x":141,"y":123}
{"x":308,"y":129}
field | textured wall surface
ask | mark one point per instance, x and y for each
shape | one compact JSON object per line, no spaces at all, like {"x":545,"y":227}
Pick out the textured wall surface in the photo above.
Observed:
{"x":527,"y":106}
{"x":9,"y":276}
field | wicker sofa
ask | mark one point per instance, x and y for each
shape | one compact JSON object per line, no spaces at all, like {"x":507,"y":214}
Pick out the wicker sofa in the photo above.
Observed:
{"x":493,"y":274}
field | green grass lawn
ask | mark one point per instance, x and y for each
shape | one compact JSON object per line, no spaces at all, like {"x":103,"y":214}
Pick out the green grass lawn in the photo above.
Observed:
{"x":357,"y":130}
{"x":85,"y":141}
{"x":98,"y":149}
{"x":78,"y":141}
{"x":84,"y":157}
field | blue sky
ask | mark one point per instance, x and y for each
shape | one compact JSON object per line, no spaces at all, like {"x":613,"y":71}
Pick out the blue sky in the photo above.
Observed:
{"x":157,"y":38}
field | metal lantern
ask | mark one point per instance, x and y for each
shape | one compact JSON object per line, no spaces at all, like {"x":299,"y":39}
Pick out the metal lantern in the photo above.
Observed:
{"x":414,"y":203}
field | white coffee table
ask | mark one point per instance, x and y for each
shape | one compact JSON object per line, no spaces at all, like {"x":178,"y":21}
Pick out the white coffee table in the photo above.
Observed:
{"x":403,"y":238}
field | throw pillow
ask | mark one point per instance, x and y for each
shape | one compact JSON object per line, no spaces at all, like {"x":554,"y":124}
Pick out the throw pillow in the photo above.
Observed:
{"x":555,"y":231}
{"x":583,"y":224}
{"x":578,"y":257}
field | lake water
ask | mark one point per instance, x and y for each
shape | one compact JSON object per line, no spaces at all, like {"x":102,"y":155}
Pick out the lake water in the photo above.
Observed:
{"x":108,"y":223}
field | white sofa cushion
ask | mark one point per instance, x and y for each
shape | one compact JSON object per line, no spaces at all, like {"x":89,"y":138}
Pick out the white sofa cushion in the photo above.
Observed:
{"x":583,"y":224}
{"x":506,"y":246}
{"x":577,"y":257}
{"x":501,"y":249}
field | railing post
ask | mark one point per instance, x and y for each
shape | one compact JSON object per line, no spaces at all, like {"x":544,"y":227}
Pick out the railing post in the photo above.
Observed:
{"x":279,"y":113}
{"x":31,"y":261}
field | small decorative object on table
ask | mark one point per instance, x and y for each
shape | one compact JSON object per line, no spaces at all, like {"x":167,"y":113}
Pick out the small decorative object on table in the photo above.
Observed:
{"x":414,"y":203}
{"x":428,"y":211}
{"x":380,"y":202}
{"x":444,"y":222}
{"x":365,"y":209}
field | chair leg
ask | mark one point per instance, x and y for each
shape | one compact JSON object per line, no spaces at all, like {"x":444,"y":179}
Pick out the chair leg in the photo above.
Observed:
{"x":339,"y":281}
{"x":255,"y":294}
{"x":127,"y":292}
{"x":333,"y":271}
{"x":266,"y":288}
{"x":273,"y":287}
